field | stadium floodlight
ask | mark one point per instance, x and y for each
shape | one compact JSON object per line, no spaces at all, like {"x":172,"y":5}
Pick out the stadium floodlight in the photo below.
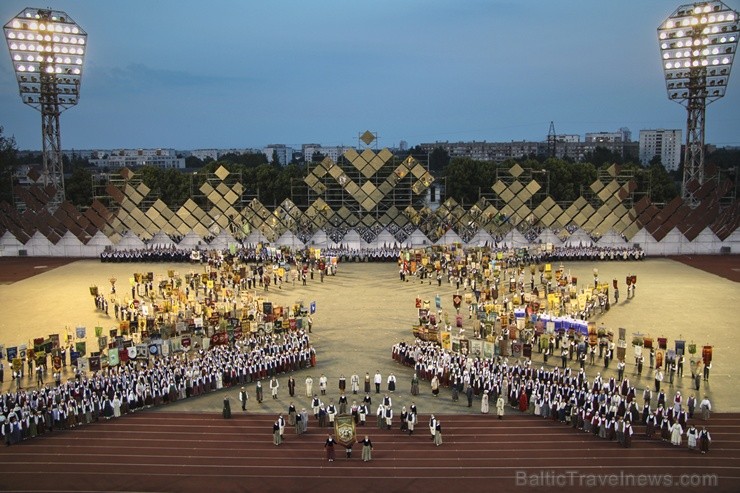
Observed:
{"x":697,"y":46}
{"x":48,"y":50}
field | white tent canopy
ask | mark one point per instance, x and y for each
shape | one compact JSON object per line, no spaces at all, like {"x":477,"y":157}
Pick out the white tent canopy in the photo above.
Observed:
{"x":222,"y":241}
{"x":190,"y":241}
{"x":417,"y":239}
{"x":449,"y":238}
{"x":384,"y":239}
{"x":482,"y":238}
{"x":547,"y":236}
{"x":353,"y":241}
{"x":9,"y":245}
{"x":289,"y":239}
{"x":161,"y":240}
{"x":579,"y":238}
{"x":611,"y":239}
{"x":130,"y":241}
{"x":514,"y":239}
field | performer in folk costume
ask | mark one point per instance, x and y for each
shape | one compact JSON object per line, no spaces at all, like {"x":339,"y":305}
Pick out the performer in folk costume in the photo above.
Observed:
{"x":691,"y":437}
{"x":438,"y":434}
{"x":243,"y":397}
{"x":628,"y":434}
{"x":276,"y":438}
{"x":435,"y":386}
{"x":355,"y":382}
{"x":367,"y":448}
{"x":274,"y":386}
{"x":500,"y":404}
{"x":259,"y":391}
{"x":291,"y":414}
{"x":329,"y":446}
{"x":676,"y":432}
{"x":309,"y":386}
{"x":704,"y":440}
{"x":291,"y":386}
{"x":415,"y":384}
{"x":391,"y":383}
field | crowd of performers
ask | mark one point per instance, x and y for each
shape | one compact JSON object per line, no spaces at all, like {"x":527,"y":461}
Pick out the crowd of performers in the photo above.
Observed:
{"x":380,"y":254}
{"x":140,"y":384}
{"x":606,"y":408}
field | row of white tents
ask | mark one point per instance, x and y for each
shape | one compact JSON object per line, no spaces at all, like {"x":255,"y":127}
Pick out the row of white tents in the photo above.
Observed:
{"x":675,"y":243}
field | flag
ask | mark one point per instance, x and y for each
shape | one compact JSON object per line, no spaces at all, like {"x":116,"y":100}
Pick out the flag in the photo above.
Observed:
{"x":113,"y":357}
{"x":81,"y":332}
{"x":312,"y":307}
{"x":131,"y":352}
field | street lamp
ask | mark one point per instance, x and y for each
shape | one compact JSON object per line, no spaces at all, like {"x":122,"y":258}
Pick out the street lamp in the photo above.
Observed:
{"x":48,"y":49}
{"x":697,"y":45}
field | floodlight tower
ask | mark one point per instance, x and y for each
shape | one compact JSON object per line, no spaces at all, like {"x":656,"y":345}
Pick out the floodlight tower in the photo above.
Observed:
{"x":48,"y":49}
{"x":697,"y":45}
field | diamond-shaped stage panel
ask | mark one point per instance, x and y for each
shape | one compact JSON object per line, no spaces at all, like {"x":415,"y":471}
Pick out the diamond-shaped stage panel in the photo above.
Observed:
{"x":367,"y":137}
{"x":230,"y":197}
{"x":222,"y":173}
{"x":516,"y":170}
{"x":516,"y":187}
{"x":368,"y":188}
{"x":532,"y":188}
{"x":222,"y":188}
{"x":206,"y":189}
{"x":143,"y":189}
{"x":498,"y":187}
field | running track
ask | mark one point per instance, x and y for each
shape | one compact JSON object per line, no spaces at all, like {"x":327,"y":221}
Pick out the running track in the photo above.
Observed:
{"x":182,"y":452}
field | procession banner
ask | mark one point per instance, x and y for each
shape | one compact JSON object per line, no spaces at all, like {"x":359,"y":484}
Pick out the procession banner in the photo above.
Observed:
{"x":476,"y":347}
{"x":487,"y":349}
{"x":312,"y":307}
{"x":446,"y":341}
{"x":344,"y":430}
{"x":81,"y":347}
{"x":142,"y":351}
{"x":94,"y":362}
{"x":54,"y":340}
{"x":81,"y":332}
{"x":98,"y":331}
{"x":12,"y":353}
{"x":132,"y":352}
{"x":113,"y":357}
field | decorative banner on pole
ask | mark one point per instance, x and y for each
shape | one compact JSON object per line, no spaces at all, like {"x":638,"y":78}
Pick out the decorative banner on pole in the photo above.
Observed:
{"x":344,"y":430}
{"x":81,"y":332}
{"x":113,"y":357}
{"x":81,"y":347}
{"x":312,"y":307}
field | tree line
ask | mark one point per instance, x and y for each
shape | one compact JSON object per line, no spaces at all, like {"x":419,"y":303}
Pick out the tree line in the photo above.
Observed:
{"x":465,"y":180}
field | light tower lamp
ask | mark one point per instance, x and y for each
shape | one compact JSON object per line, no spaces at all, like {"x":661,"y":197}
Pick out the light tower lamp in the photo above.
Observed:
{"x":697,"y":44}
{"x":48,"y":49}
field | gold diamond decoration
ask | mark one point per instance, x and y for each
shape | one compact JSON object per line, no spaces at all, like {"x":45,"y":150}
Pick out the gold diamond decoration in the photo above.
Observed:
{"x":222,"y":173}
{"x":367,"y":137}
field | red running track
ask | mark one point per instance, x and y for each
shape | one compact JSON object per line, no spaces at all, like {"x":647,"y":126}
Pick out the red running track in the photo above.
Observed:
{"x":181,"y":452}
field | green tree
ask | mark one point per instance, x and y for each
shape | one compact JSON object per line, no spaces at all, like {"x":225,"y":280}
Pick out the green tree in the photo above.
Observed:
{"x":193,"y":162}
{"x":78,"y":186}
{"x":438,"y":160}
{"x":8,"y":166}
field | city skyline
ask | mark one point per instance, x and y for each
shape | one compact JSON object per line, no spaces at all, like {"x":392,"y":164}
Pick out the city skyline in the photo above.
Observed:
{"x":293,"y":73}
